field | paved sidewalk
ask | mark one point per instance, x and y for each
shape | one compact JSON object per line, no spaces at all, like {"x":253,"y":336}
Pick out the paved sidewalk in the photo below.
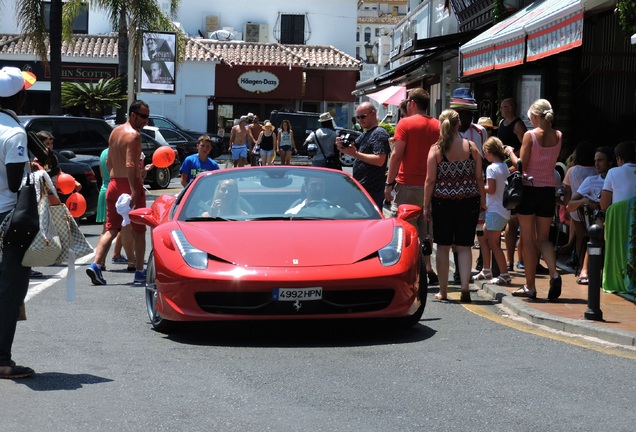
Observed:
{"x":567,"y":313}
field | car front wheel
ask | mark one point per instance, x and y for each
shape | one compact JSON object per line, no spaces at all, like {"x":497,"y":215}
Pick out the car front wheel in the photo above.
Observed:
{"x":157,"y":322}
{"x":162,"y":178}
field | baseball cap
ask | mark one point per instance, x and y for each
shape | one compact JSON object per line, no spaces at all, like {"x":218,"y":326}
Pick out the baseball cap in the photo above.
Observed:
{"x":13,"y":80}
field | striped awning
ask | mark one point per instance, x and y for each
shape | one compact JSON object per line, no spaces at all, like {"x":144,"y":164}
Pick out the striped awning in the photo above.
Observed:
{"x":545,"y":27}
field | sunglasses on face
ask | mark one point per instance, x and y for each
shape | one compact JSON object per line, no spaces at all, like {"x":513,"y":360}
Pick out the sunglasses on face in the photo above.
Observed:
{"x":143,"y":116}
{"x":363,"y":116}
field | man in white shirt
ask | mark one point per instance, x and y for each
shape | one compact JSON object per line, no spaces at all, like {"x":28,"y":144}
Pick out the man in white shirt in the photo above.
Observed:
{"x":620,"y":182}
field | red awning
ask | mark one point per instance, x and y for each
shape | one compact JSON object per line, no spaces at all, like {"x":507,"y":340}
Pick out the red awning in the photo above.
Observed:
{"x":549,"y":26}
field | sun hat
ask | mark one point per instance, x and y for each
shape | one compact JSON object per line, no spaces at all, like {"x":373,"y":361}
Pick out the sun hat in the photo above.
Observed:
{"x":462,"y":98}
{"x":13,"y":80}
{"x":325,"y":117}
{"x":268,"y":125}
{"x":486,"y":122}
{"x":123,"y":208}
{"x":243,"y":119}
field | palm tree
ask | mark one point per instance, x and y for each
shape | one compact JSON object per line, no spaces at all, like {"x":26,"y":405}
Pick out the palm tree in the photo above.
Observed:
{"x":95,"y":97}
{"x":31,"y":20}
{"x":127,"y":17}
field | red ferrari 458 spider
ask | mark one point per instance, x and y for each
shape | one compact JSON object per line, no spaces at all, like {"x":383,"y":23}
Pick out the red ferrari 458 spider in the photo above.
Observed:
{"x":280,"y":243}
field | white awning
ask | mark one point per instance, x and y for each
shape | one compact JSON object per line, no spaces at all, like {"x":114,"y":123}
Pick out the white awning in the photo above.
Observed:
{"x":545,"y":27}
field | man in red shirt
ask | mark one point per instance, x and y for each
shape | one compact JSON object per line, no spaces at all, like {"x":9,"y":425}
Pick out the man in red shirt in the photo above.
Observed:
{"x":414,"y":137}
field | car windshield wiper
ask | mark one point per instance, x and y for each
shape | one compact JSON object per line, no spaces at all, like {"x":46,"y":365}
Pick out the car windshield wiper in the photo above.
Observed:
{"x":209,"y":219}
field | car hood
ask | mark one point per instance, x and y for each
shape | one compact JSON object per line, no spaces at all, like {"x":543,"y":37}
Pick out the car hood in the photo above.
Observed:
{"x":287,"y":243}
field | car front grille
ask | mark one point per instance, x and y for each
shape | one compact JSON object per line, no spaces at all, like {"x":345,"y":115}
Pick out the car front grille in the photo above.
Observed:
{"x":261,"y":303}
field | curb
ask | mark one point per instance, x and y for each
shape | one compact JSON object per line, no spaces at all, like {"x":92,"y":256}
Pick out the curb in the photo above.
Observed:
{"x":574,"y":326}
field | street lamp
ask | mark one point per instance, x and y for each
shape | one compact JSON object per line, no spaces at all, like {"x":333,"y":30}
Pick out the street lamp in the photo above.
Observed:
{"x":368,"y":50}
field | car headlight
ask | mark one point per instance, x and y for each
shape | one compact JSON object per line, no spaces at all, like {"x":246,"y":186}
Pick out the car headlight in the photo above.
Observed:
{"x":194,"y":257}
{"x":391,"y":253}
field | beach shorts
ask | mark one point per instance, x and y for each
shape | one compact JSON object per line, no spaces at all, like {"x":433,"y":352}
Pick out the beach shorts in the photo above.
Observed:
{"x":495,"y":221}
{"x":285,"y":148}
{"x":239,"y":151}
{"x":538,"y":201}
{"x":117,"y":187}
{"x":267,"y":152}
{"x":454,"y":221}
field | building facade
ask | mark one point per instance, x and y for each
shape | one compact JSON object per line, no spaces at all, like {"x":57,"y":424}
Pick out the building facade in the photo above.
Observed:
{"x":314,"y":66}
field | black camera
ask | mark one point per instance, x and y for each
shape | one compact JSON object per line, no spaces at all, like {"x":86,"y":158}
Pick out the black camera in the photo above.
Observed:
{"x":346,"y":140}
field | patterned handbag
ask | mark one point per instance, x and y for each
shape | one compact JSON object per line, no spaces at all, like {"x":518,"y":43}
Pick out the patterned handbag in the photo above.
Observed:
{"x":70,"y":235}
{"x":45,"y":248}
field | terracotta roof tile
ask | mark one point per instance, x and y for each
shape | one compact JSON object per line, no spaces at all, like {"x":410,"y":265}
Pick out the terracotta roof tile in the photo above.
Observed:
{"x":235,"y":53}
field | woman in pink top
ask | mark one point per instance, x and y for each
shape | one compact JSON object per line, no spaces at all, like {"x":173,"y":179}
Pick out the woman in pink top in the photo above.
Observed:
{"x":540,"y":149}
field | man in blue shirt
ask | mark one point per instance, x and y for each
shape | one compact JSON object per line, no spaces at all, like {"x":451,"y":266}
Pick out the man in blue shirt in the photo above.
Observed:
{"x":195,"y":164}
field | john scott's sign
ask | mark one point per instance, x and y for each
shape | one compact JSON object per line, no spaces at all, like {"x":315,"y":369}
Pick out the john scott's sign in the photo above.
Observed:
{"x":258,"y":81}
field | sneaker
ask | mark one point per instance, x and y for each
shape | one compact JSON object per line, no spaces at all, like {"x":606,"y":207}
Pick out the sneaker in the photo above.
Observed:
{"x":140,"y":276}
{"x":36,"y":274}
{"x":520,"y":265}
{"x":94,"y":271}
{"x":510,"y":267}
{"x":119,"y":260}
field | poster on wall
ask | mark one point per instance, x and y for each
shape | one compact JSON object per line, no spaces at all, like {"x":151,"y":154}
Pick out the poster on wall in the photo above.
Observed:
{"x":158,"y":61}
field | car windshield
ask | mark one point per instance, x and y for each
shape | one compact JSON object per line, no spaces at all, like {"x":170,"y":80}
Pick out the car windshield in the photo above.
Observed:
{"x":276,"y":193}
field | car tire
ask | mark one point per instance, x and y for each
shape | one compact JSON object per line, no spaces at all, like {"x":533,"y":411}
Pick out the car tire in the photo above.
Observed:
{"x":157,"y":322}
{"x":346,"y":160}
{"x":161,"y":178}
{"x":412,"y":320}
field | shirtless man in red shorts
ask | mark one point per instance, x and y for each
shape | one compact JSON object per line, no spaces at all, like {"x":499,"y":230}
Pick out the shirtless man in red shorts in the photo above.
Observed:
{"x":124,"y":153}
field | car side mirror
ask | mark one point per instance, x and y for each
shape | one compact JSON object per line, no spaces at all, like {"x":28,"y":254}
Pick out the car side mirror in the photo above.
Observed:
{"x":408,"y":211}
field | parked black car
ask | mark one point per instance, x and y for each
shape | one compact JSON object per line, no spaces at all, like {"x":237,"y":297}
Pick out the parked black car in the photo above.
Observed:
{"x":164,"y":122}
{"x":89,"y":136}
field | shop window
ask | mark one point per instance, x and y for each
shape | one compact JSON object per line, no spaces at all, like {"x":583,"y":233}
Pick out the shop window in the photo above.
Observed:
{"x":292,"y":29}
{"x":80,"y":23}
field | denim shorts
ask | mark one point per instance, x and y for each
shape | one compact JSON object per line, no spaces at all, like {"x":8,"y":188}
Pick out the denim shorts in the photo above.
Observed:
{"x":495,"y":221}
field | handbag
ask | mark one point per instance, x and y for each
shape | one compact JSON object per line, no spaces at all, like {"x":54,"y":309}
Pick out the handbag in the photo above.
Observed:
{"x":513,"y":189}
{"x":23,"y":223}
{"x":45,"y":247}
{"x":71,"y":237}
{"x":332,"y":162}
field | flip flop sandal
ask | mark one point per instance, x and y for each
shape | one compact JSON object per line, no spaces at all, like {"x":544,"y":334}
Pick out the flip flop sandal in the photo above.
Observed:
{"x":583,"y":280}
{"x":440,"y":297}
{"x":525,"y":292}
{"x":502,"y":279}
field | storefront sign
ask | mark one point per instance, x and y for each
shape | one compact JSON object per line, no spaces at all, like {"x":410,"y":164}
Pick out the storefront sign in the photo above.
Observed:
{"x":258,"y":81}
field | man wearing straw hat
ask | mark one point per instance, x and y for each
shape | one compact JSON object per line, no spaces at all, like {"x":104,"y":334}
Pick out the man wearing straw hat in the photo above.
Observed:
{"x":14,"y":155}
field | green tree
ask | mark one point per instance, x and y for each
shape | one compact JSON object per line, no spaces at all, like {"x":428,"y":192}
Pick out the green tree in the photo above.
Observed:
{"x":30,"y":17}
{"x":126,"y":18}
{"x":627,"y":15}
{"x":95,"y":97}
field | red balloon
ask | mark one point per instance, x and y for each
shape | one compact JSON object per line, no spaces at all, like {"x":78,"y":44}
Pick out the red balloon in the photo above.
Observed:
{"x":65,"y":183}
{"x":76,"y":204}
{"x":163,"y":157}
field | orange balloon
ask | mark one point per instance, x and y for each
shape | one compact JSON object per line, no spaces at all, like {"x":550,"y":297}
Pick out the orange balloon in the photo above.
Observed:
{"x":76,"y":204}
{"x":65,"y":183}
{"x":163,"y":157}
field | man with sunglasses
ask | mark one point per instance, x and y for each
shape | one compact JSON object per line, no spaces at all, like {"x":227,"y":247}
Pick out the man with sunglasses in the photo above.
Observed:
{"x":370,"y":151}
{"x":124,"y":155}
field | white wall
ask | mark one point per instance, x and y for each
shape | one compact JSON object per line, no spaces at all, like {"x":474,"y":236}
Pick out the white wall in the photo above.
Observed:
{"x":332,"y":22}
{"x":188,"y":106}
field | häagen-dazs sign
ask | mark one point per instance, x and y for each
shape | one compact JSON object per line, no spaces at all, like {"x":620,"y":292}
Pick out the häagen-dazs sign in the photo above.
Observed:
{"x":258,"y":81}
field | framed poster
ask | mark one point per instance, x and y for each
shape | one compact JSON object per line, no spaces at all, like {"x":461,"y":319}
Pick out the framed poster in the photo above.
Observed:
{"x":530,"y":89}
{"x":158,"y":61}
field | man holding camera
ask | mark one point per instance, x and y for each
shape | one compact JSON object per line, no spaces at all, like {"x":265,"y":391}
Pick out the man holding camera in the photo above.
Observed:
{"x":370,"y":150}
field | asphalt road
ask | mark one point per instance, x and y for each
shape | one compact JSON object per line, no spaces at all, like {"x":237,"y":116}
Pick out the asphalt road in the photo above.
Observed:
{"x":100,"y":367}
